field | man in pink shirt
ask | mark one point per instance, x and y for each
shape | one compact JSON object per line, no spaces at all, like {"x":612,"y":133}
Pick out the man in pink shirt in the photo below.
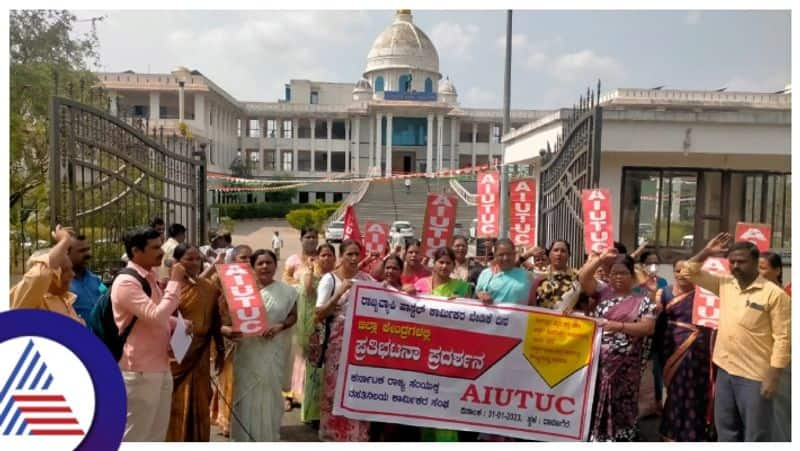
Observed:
{"x":145,"y":357}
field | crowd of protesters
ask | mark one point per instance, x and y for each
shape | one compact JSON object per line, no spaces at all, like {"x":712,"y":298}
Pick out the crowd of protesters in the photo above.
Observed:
{"x":729,"y":384}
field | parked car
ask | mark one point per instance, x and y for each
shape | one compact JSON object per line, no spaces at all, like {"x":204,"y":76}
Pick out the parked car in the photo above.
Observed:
{"x":687,"y":242}
{"x":334,"y":232}
{"x":400,"y":232}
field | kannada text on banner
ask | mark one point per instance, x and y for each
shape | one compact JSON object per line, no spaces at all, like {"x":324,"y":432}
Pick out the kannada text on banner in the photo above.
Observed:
{"x":505,"y":369}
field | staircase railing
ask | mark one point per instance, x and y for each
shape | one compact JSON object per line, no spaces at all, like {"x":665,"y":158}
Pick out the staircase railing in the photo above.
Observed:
{"x":355,"y":196}
{"x":468,"y":198}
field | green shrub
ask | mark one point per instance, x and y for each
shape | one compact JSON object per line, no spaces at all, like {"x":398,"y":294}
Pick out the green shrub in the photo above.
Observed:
{"x":302,"y":219}
{"x":271,"y":209}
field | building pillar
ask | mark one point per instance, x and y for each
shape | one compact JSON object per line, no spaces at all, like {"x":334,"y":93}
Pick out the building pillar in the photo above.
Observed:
{"x":429,"y":154}
{"x":474,"y":140}
{"x":357,"y":132}
{"x":439,"y":142}
{"x":347,"y":149}
{"x":389,"y":145}
{"x":378,"y":133}
{"x":371,"y":150}
{"x":155,"y":105}
{"x":330,"y":143}
{"x":181,"y":90}
{"x":313,"y":124}
{"x":453,"y":137}
{"x":200,"y":111}
{"x":295,"y":153}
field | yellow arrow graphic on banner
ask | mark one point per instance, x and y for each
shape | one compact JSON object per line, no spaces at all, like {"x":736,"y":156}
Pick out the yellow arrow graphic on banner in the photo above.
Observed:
{"x":557,"y":346}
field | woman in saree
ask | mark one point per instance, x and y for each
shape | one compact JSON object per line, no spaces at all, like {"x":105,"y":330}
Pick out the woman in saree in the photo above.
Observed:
{"x":440,"y":284}
{"x":627,"y":318}
{"x":312,"y":379}
{"x":557,"y":278}
{"x":413,"y":269}
{"x":259,"y":361}
{"x":687,"y":365}
{"x":223,"y":396}
{"x":332,"y":308}
{"x":190,"y":420}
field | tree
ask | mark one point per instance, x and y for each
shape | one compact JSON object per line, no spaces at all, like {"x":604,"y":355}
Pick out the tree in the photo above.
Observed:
{"x":43,"y":51}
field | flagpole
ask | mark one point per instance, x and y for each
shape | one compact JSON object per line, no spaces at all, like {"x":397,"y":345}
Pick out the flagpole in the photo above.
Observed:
{"x":506,"y":127}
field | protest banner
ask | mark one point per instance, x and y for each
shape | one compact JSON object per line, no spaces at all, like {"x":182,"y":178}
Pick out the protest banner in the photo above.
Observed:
{"x":244,"y":299}
{"x":523,"y":212}
{"x":598,"y":234}
{"x":488,"y":205}
{"x":440,"y":217}
{"x":375,"y":237}
{"x":758,"y":234}
{"x":705,"y":311}
{"x":351,"y":230}
{"x":511,"y":370}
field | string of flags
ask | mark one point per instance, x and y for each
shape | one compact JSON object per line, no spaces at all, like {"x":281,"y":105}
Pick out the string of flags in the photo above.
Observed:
{"x":238,"y":184}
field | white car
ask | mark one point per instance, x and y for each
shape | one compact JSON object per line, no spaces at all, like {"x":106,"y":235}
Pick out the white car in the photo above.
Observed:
{"x":400,"y":231}
{"x":334,"y":232}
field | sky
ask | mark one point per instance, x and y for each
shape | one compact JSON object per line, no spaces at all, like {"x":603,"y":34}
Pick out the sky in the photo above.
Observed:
{"x":556,"y":55}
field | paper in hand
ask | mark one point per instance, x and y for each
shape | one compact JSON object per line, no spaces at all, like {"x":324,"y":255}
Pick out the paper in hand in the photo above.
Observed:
{"x":180,"y":340}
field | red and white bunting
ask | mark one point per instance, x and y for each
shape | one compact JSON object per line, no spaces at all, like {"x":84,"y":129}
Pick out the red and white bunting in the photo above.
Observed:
{"x":523,"y":212}
{"x":244,"y":300}
{"x":440,"y":217}
{"x":488,"y":204}
{"x":375,"y":237}
{"x":758,"y":234}
{"x":598,"y":233}
{"x":705,"y":311}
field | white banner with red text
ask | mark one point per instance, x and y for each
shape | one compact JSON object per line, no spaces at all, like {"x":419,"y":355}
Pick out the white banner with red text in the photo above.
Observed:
{"x":508,"y":370}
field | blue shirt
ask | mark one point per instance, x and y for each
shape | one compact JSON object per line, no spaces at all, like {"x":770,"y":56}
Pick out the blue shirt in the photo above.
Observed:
{"x":509,"y":287}
{"x":88,"y":288}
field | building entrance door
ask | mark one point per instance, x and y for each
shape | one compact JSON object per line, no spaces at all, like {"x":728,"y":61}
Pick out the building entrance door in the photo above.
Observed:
{"x":407,"y":163}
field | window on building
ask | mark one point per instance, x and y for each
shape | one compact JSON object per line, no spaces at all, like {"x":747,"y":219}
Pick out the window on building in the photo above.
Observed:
{"x":320,"y":196}
{"x":162,"y":112}
{"x":404,"y":84}
{"x":338,"y":131}
{"x":287,"y":92}
{"x":211,"y":113}
{"x":337,"y":197}
{"x":379,"y":84}
{"x":304,"y":160}
{"x":495,"y":134}
{"x":287,"y":159}
{"x":303,"y":129}
{"x":254,"y":129}
{"x":211,"y":156}
{"x":287,"y":128}
{"x":407,"y":131}
{"x":253,"y":156}
{"x":272,"y":128}
{"x":321,"y":129}
{"x":140,"y":110}
{"x":239,"y":128}
{"x":302,"y":197}
{"x":428,"y":86}
{"x":314,"y":97}
{"x":337,"y":161}
{"x":321,"y":161}
{"x":269,"y":160}
{"x":680,"y":210}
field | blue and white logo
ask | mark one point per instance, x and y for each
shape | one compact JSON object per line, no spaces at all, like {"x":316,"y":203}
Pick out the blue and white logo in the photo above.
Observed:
{"x":60,"y":389}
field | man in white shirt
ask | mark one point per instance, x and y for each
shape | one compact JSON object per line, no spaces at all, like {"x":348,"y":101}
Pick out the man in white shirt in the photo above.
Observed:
{"x":277,"y":244}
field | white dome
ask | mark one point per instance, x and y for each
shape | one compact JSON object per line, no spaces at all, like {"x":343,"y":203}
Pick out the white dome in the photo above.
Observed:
{"x":363,"y":85}
{"x":402,"y":46}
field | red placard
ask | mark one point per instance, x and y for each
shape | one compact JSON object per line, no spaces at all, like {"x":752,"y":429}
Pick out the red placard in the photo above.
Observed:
{"x":244,"y":300}
{"x":488,"y":205}
{"x":440,"y":217}
{"x":598,"y":234}
{"x":705,"y":311}
{"x":523,"y":212}
{"x":351,"y":231}
{"x":375,"y":237}
{"x":758,"y":234}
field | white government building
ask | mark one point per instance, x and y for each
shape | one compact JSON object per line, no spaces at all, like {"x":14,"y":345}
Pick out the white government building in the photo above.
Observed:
{"x":703,"y":159}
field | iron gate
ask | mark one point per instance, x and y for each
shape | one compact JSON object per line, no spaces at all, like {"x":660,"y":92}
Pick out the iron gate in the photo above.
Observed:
{"x":572,"y":167}
{"x":109,"y":173}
